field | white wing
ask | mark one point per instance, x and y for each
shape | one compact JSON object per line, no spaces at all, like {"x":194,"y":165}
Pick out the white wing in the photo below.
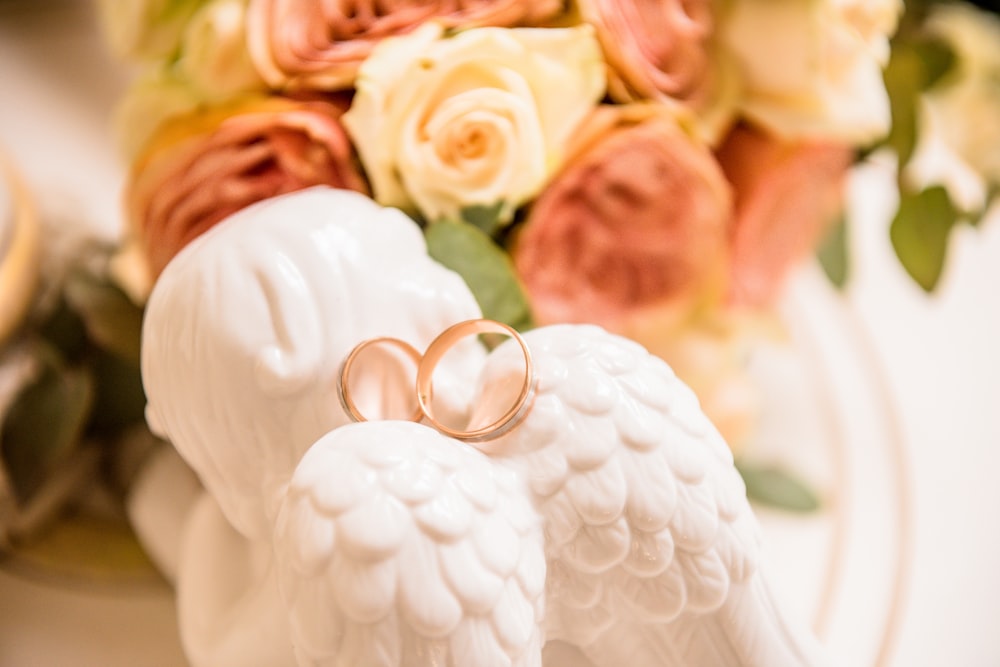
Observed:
{"x":398,"y":546}
{"x":651,"y":545}
{"x":246,"y":328}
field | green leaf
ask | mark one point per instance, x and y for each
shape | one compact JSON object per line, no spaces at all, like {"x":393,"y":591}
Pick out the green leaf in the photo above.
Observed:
{"x":902,"y":77}
{"x":45,"y":422}
{"x":486,"y":218}
{"x":917,"y":62}
{"x":112,"y":321}
{"x":64,"y":331}
{"x":833,"y":254}
{"x":485,"y":267}
{"x":777,"y":488}
{"x":119,"y":400}
{"x":919,"y":233}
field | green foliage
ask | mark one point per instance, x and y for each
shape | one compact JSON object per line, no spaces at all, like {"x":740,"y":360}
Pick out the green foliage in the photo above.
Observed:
{"x":777,"y":488}
{"x":119,"y":400}
{"x":64,"y":331}
{"x":486,"y":218}
{"x":920,"y":231}
{"x":917,"y":63}
{"x":833,"y":254}
{"x":83,"y":390}
{"x":110,"y":319}
{"x":46,"y":421}
{"x":922,"y":226}
{"x":485,"y":267}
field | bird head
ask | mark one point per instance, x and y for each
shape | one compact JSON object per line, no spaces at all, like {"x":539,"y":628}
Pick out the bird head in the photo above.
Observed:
{"x":246,"y":329}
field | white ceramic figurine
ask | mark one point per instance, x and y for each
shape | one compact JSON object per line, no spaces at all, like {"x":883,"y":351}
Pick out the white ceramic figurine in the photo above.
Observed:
{"x":242,"y":340}
{"x":603,"y":525}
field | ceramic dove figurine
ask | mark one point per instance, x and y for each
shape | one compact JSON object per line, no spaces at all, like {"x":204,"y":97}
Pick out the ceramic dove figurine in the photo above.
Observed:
{"x":243,"y":336}
{"x":651,"y":546}
{"x":609,"y":519}
{"x":245,"y":331}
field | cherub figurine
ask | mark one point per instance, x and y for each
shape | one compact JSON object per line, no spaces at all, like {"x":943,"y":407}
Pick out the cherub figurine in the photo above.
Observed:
{"x":599,"y":521}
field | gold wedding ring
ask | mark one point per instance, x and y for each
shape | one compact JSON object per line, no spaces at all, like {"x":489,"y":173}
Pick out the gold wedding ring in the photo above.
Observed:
{"x":436,"y":351}
{"x":344,"y":387}
{"x":427,"y":363}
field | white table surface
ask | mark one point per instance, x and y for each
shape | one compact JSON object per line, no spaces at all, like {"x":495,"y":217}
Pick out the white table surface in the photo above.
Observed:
{"x":938,"y":354}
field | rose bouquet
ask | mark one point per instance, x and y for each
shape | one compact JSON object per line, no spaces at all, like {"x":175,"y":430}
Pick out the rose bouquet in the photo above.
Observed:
{"x":656,"y":168}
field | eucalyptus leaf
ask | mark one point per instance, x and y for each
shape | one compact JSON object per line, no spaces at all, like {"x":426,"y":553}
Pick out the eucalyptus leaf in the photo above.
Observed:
{"x":903,"y":81}
{"x":833,"y":254}
{"x":64,"y":330}
{"x":111,"y":319}
{"x":917,"y":62}
{"x":64,"y":480}
{"x":920,"y":231}
{"x":485,"y":267}
{"x":119,"y":400}
{"x":778,"y":488}
{"x":45,"y":422}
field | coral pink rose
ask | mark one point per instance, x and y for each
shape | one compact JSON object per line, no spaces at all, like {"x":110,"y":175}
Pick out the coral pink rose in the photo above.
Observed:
{"x":637,"y":220}
{"x":656,"y":49}
{"x":320,"y":45}
{"x":786,"y":194}
{"x":201,"y":168}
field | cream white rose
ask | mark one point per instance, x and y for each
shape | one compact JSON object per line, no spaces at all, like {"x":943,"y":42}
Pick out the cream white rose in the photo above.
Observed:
{"x":812,"y":69}
{"x":968,"y":106}
{"x":959,"y":136}
{"x":145,"y":29}
{"x":213,"y":51}
{"x":212,"y":65}
{"x":477,"y":118}
{"x":155,"y":96}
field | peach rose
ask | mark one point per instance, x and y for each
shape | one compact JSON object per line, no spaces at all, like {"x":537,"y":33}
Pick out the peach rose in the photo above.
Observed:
{"x":320,"y":45}
{"x":786,"y":195}
{"x":636,"y":221}
{"x":201,"y":168}
{"x":812,"y":69}
{"x":656,"y":50}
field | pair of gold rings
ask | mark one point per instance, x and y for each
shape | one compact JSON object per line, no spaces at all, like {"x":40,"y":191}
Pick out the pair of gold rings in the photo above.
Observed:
{"x":427,"y":362}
